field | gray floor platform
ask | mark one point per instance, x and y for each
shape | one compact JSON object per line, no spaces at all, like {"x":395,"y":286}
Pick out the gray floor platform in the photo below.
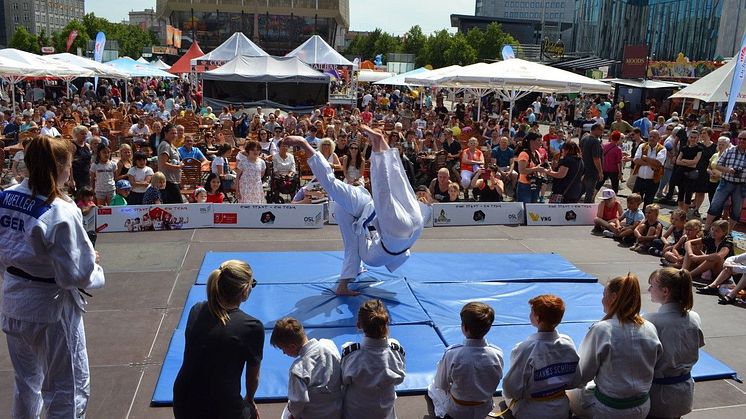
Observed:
{"x":130,"y":322}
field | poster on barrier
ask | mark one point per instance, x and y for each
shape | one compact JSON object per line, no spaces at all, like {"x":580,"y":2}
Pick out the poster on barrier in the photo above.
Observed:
{"x":477,"y":213}
{"x":153,"y":217}
{"x":560,"y":214}
{"x":268,"y":216}
{"x":332,"y":220}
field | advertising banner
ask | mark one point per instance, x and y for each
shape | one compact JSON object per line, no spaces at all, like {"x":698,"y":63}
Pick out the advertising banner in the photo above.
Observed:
{"x":635,"y":62}
{"x":153,"y":218}
{"x":560,"y":214}
{"x":268,"y":216}
{"x":332,"y":220}
{"x":477,"y":213}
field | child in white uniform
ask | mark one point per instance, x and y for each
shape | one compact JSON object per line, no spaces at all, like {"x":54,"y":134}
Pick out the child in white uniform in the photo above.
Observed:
{"x":371,"y":369}
{"x":315,"y":384}
{"x":468,"y":373}
{"x":619,"y":354}
{"x":378,"y":229}
{"x":680,"y":332}
{"x":543,"y":366}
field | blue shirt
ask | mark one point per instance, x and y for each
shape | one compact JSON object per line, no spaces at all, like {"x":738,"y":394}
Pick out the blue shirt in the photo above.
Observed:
{"x":195,"y":153}
{"x":630,"y":217}
{"x":644,"y":125}
{"x":502,"y":156}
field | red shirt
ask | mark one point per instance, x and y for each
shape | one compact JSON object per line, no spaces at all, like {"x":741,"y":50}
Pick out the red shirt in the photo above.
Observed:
{"x":367,"y":117}
{"x":329,"y":112}
{"x":612,"y":157}
{"x":215,"y":198}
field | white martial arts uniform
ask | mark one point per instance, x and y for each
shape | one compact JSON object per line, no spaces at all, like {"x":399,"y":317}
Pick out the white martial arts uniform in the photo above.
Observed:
{"x":466,"y":379}
{"x":50,"y":256}
{"x":621,"y":360}
{"x":681,"y":337}
{"x":370,"y":371}
{"x":315,"y":385}
{"x":393,"y":210}
{"x":542,"y":367}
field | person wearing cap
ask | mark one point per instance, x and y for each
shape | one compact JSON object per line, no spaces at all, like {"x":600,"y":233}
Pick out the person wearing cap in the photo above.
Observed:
{"x":377,"y":229}
{"x":122,"y":192}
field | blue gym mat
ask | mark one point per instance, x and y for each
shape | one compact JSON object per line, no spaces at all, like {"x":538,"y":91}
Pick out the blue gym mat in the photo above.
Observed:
{"x":424,"y":298}
{"x":273,"y":379}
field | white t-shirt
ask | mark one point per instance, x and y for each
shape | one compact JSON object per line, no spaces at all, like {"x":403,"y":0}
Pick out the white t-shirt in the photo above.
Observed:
{"x":139,"y":175}
{"x":138,"y":132}
{"x":218,"y":162}
{"x":104,"y":176}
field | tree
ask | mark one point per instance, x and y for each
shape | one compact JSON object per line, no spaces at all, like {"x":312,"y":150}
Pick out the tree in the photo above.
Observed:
{"x":475,"y":37}
{"x":494,"y":40}
{"x":131,"y":39}
{"x":59,"y":39}
{"x":386,"y":44}
{"x":460,"y":52}
{"x":414,"y":40}
{"x":24,"y":41}
{"x":438,"y":45}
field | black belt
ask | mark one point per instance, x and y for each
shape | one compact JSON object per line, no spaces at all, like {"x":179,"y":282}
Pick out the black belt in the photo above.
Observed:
{"x":672,"y":380}
{"x":371,"y":227}
{"x":23,"y":274}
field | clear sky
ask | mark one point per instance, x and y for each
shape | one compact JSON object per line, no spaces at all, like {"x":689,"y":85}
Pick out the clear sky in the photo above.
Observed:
{"x":393,"y":16}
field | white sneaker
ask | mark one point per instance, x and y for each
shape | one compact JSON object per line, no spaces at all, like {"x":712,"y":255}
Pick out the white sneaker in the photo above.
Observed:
{"x":608,"y":233}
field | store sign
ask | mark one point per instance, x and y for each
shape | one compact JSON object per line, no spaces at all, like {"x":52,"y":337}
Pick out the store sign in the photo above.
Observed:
{"x":47,"y":50}
{"x":552,"y":49}
{"x":560,"y":214}
{"x":161,"y":50}
{"x":635,"y":61}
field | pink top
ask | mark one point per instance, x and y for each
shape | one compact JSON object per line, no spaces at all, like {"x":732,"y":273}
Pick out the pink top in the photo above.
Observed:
{"x":612,"y":157}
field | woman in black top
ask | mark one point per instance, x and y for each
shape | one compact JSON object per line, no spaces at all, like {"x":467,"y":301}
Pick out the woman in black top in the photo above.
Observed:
{"x":567,"y":178}
{"x":703,"y":185}
{"x":488,"y":187}
{"x":220,"y":341}
{"x":685,"y":173}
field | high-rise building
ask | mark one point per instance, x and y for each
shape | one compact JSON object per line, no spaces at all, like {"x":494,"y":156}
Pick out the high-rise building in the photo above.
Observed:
{"x":37,"y":15}
{"x":536,"y":10}
{"x":668,"y":27}
{"x":278,"y":26}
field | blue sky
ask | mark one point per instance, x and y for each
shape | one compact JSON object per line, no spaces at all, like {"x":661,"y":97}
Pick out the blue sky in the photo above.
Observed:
{"x":393,"y":16}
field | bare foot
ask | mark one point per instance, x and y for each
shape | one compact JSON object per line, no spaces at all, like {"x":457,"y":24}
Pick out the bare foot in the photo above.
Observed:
{"x":344,"y":290}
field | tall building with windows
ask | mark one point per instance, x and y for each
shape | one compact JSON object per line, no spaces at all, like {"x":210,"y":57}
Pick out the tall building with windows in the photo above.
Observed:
{"x":37,"y":15}
{"x":668,"y":27}
{"x":278,"y":26}
{"x":536,"y":10}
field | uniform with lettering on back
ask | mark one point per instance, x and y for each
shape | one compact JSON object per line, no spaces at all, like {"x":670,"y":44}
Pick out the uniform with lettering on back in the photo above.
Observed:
{"x":46,"y":257}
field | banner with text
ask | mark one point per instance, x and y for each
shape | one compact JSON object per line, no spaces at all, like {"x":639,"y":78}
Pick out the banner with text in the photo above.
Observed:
{"x":268,"y":216}
{"x":331,"y":219}
{"x":152,"y":218}
{"x":477,"y":213}
{"x":560,"y":214}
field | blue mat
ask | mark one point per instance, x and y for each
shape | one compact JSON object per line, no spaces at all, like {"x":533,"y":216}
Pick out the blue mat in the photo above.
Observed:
{"x":508,"y":299}
{"x":315,"y":305}
{"x":273,"y":379}
{"x":424,"y":298}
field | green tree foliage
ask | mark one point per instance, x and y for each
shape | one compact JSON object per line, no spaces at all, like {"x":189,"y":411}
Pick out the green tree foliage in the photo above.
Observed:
{"x":131,"y":38}
{"x":439,"y":49}
{"x":23,"y":40}
{"x":59,"y":39}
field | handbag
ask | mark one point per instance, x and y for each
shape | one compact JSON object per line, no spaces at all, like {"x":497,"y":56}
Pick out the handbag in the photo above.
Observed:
{"x":692,"y":174}
{"x":631,"y":182}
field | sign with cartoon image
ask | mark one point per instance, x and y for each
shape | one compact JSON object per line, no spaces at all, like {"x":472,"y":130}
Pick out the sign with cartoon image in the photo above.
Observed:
{"x":476,"y":213}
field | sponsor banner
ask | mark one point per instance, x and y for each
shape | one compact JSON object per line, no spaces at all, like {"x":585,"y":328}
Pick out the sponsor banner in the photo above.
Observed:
{"x":635,"y":62}
{"x":477,"y":213}
{"x":331,"y":219}
{"x":151,"y":218}
{"x":560,"y":214}
{"x":268,"y":216}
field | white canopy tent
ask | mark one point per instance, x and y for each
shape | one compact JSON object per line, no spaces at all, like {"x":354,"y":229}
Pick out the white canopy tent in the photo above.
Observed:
{"x":99,"y":69}
{"x":142,"y":60}
{"x":714,"y":87}
{"x":398,"y":80}
{"x":13,"y":71}
{"x":515,"y":78}
{"x":646,"y":84}
{"x":316,"y":51}
{"x":238,"y":44}
{"x":426,"y":79}
{"x":370,"y":76}
{"x":160,"y":64}
{"x":39,"y":66}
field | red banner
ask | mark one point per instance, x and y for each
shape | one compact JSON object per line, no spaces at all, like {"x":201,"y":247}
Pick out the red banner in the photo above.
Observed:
{"x":71,"y":39}
{"x":635,"y":61}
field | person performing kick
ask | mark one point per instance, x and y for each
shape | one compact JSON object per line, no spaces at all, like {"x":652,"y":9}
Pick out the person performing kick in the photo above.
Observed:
{"x":378,"y":229}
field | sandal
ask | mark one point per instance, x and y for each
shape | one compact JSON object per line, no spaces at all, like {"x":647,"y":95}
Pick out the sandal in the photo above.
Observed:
{"x":726,"y":299}
{"x":707,"y":290}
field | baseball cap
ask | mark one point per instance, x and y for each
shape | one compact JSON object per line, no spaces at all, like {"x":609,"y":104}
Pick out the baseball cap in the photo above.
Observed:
{"x":607,"y":194}
{"x":123,"y":184}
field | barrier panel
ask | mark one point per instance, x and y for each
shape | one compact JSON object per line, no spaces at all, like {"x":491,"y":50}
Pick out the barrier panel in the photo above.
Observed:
{"x":477,"y":213}
{"x":188,"y":216}
{"x":560,"y":214}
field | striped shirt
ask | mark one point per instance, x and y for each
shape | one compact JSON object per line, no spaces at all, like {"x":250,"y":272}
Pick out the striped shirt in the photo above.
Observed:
{"x":736,"y":159}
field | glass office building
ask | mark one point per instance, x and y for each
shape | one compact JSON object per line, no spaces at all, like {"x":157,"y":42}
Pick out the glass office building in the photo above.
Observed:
{"x":278,"y":26}
{"x":604,"y":27}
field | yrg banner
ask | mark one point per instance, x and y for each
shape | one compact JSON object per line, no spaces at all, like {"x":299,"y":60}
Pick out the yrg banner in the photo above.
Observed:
{"x":560,"y":214}
{"x":268,"y":216}
{"x":154,"y":217}
{"x":477,"y":213}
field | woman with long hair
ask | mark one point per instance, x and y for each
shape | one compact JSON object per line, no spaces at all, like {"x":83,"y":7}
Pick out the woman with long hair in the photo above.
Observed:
{"x":617,"y":357}
{"x":220,"y":341}
{"x":680,"y":331}
{"x":48,"y":258}
{"x":353,"y":165}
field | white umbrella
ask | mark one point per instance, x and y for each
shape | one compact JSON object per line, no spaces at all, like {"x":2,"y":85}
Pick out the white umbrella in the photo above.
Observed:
{"x":13,"y":71}
{"x":426,"y":79}
{"x":713,"y":87}
{"x":99,"y":69}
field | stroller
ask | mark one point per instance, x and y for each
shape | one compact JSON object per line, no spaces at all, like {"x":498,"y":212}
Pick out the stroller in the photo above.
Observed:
{"x":282,"y":184}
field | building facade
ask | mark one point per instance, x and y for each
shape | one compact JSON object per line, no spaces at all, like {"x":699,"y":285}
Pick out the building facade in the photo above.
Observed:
{"x":38,"y":15}
{"x":668,"y":27}
{"x":277,"y":26}
{"x":535,"y":10}
{"x":729,"y":40}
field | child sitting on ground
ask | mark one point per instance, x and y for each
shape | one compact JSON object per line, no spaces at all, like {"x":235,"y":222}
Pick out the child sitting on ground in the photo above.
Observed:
{"x":716,"y":247}
{"x":315,"y":384}
{"x":674,"y":256}
{"x":629,"y":220}
{"x":372,"y":368}
{"x":649,"y":230}
{"x":468,"y":373}
{"x":608,"y":214}
{"x":543,"y":366}
{"x":675,"y":230}
{"x":733,"y":266}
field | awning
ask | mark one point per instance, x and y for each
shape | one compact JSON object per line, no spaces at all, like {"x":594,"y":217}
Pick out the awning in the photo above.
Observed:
{"x":647,"y":84}
{"x":584,"y":63}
